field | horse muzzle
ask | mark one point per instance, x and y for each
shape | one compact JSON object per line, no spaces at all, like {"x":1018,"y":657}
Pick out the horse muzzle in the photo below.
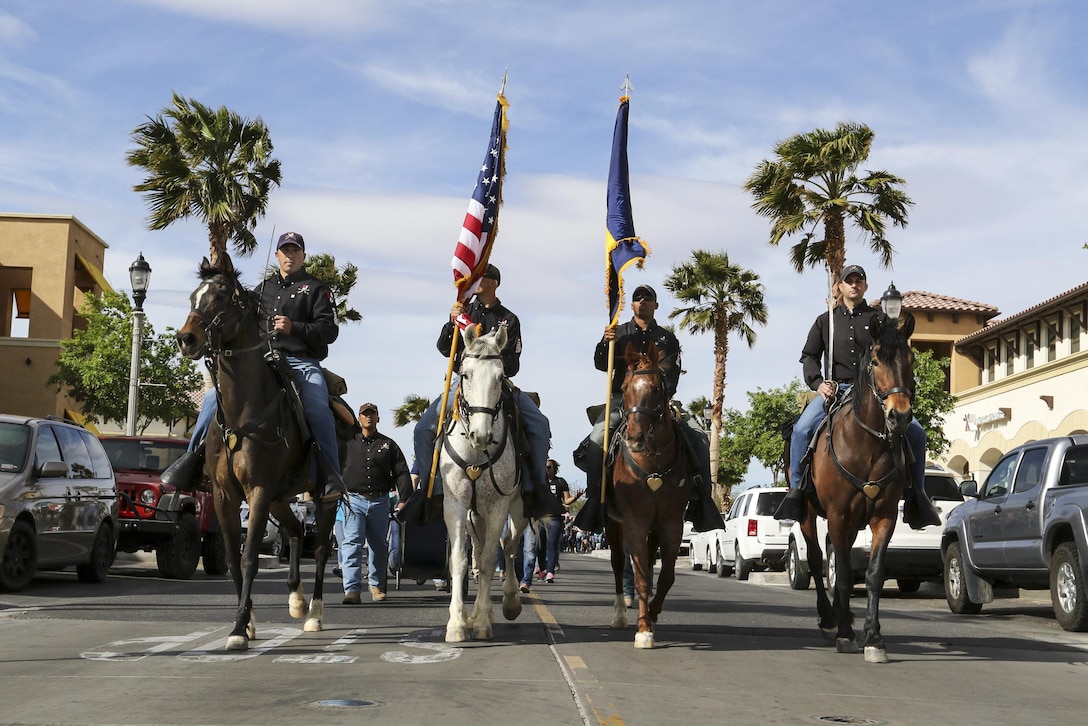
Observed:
{"x":190,"y":343}
{"x":897,"y":420}
{"x":636,"y":442}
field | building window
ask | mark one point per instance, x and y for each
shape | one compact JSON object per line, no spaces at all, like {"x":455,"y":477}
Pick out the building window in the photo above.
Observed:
{"x":1029,"y":349}
{"x":1011,"y":353}
{"x":1075,"y":329}
{"x":1053,"y":337}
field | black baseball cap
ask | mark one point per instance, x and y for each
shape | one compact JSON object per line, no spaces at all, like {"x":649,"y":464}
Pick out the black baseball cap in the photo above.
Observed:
{"x":291,"y":238}
{"x":493,"y":273}
{"x":854,"y":270}
{"x":644,"y":291}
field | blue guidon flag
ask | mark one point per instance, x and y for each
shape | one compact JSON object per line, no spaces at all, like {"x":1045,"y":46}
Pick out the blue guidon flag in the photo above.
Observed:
{"x":481,"y":223}
{"x":623,"y":247}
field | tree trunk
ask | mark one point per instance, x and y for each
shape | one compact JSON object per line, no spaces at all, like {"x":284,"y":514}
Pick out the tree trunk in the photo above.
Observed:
{"x":721,"y":352}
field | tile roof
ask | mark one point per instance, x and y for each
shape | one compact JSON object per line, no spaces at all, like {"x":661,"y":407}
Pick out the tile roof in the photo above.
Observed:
{"x":920,"y":300}
{"x":1080,"y":291}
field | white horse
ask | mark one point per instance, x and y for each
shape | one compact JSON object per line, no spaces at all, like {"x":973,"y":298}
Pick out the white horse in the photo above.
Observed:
{"x":479,"y":480}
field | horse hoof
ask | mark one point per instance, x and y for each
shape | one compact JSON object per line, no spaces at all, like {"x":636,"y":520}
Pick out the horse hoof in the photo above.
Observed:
{"x":455,"y":636}
{"x":312,"y":626}
{"x":237,"y":642}
{"x":619,"y":623}
{"x":874,"y":654}
{"x":644,"y":640}
{"x":512,"y":612}
{"x":482,"y":634}
{"x":296,"y":604}
{"x":846,"y":645}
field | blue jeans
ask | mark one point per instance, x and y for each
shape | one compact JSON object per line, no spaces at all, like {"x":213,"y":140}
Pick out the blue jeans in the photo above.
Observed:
{"x":551,"y":529}
{"x":394,"y":544}
{"x":535,"y":424}
{"x":365,"y":521}
{"x":314,"y":392}
{"x":814,"y":413}
{"x":528,"y":554}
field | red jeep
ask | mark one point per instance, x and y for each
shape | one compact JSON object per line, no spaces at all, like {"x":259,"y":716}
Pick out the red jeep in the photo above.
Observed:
{"x":180,"y":527}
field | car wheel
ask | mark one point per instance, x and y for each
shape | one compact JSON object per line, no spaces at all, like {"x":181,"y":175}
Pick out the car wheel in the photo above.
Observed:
{"x":712,"y":560}
{"x":724,"y":570}
{"x":214,"y":554}
{"x":20,"y":560}
{"x":955,"y":583}
{"x":908,"y":586}
{"x":178,"y":555}
{"x":799,"y":579}
{"x":691,"y":560}
{"x":102,"y":552}
{"x":1067,"y":589}
{"x":278,"y":549}
{"x":744,"y":567}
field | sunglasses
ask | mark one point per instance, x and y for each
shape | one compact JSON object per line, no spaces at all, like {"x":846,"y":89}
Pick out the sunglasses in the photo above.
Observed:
{"x":640,"y":298}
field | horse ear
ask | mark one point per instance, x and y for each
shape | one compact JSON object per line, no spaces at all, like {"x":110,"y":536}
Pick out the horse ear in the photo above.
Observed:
{"x":653,"y":354}
{"x":205,"y":265}
{"x":500,"y":337}
{"x":631,"y":356}
{"x":225,"y":263}
{"x":470,"y":333}
{"x":875,"y":326}
{"x":906,"y":324}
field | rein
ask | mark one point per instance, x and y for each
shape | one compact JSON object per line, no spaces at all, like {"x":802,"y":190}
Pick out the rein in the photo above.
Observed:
{"x":656,"y":479}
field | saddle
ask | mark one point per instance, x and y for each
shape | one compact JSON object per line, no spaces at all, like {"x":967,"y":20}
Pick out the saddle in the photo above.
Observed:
{"x":840,"y":399}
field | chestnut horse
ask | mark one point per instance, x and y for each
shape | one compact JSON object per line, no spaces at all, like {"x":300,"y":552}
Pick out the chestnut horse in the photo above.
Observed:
{"x":651,"y":488}
{"x":255,"y":448}
{"x":859,"y":471}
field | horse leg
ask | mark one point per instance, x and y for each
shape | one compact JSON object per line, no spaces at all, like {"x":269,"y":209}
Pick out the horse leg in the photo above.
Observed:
{"x":874,"y":584}
{"x":244,"y":629}
{"x":670,"y":547}
{"x":296,"y":599}
{"x":511,"y":594}
{"x":641,"y":558}
{"x":842,"y":542}
{"x":619,"y":560}
{"x":487,"y":545}
{"x":315,"y":614}
{"x":815,"y":558}
{"x":230,"y":524}
{"x":454,"y":515}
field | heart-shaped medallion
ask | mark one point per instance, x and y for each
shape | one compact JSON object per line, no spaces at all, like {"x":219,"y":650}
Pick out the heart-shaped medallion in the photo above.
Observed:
{"x":474,"y":472}
{"x":232,"y":441}
{"x":654,"y":482}
{"x":871,"y":490}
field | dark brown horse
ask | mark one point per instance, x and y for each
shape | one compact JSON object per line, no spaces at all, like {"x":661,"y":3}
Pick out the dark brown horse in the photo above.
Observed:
{"x":860,"y":468}
{"x":254,"y":450}
{"x":650,"y":492}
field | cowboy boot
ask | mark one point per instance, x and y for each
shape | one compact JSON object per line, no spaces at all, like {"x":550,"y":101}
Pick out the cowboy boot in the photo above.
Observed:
{"x":793,"y":506}
{"x":186,"y":472}
{"x":918,"y":510}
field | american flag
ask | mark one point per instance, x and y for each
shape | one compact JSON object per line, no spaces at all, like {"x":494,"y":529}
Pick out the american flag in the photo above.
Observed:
{"x":623,"y":247}
{"x":482,"y":219}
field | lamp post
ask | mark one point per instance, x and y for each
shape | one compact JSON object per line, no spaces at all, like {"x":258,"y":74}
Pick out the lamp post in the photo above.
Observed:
{"x":891,"y":302}
{"x":139,"y":275}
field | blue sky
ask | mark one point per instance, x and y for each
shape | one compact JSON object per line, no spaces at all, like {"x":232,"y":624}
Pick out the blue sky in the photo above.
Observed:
{"x":379,"y":112}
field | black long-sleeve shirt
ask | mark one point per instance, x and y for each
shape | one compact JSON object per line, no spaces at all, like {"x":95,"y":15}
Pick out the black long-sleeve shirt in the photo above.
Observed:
{"x":630,"y":332}
{"x":309,"y":304}
{"x":373,"y":465}
{"x":488,"y":318}
{"x":852,"y":338}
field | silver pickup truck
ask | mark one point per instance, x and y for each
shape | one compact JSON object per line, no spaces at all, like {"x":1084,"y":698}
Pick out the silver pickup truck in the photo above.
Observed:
{"x":1025,"y":528}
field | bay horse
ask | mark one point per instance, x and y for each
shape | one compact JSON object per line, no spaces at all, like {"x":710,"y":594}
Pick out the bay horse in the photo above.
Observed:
{"x":859,"y":471}
{"x":651,"y":487}
{"x":480,"y":486}
{"x":255,"y":448}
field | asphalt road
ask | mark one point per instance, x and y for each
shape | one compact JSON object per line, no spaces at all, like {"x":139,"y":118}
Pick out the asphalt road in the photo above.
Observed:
{"x":141,"y":649}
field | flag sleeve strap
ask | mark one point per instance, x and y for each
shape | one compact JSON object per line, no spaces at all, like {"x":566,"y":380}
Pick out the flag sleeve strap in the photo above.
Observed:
{"x":607,"y":416}
{"x":442,"y":417}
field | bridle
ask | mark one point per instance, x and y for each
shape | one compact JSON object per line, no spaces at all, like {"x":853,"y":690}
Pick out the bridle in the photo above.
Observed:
{"x":655,"y":416}
{"x":214,"y":326}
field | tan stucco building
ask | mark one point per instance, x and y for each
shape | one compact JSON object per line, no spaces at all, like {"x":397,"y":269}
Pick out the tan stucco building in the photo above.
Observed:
{"x":48,"y":264}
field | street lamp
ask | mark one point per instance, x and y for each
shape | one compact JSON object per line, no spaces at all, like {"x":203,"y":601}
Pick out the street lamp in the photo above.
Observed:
{"x":891,"y":302}
{"x":139,"y":275}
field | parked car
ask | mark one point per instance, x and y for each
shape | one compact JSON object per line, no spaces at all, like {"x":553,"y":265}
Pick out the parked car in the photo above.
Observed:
{"x":179,"y":527}
{"x":685,"y":539}
{"x":706,"y":551}
{"x":752,"y":537}
{"x":275,"y":540}
{"x":1026,"y":528}
{"x":913,"y":555}
{"x":58,"y":501}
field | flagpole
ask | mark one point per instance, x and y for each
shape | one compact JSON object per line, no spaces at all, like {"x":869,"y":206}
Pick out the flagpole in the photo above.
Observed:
{"x":830,"y":370}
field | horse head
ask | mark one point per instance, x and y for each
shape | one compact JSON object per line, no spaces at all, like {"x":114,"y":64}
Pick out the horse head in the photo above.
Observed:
{"x":890,"y":371}
{"x":219,"y":309}
{"x":644,"y":398}
{"x":481,"y":383}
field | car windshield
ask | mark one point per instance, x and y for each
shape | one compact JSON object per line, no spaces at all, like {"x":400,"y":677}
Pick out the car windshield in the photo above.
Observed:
{"x":943,"y":488}
{"x":143,"y":454}
{"x":767,"y":503}
{"x":14,"y":443}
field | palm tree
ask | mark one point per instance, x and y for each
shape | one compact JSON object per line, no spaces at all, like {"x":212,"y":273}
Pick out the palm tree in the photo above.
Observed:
{"x":211,"y":164}
{"x":412,"y":410}
{"x":720,"y":297}
{"x":814,"y":182}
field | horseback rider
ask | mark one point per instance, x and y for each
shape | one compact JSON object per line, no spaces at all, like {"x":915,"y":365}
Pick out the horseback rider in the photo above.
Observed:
{"x":298,"y":316}
{"x":640,"y":332}
{"x":852,"y":339}
{"x":487,"y":311}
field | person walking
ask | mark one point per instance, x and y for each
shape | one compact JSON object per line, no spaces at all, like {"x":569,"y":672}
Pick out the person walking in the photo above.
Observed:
{"x":374,"y":466}
{"x":550,"y":526}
